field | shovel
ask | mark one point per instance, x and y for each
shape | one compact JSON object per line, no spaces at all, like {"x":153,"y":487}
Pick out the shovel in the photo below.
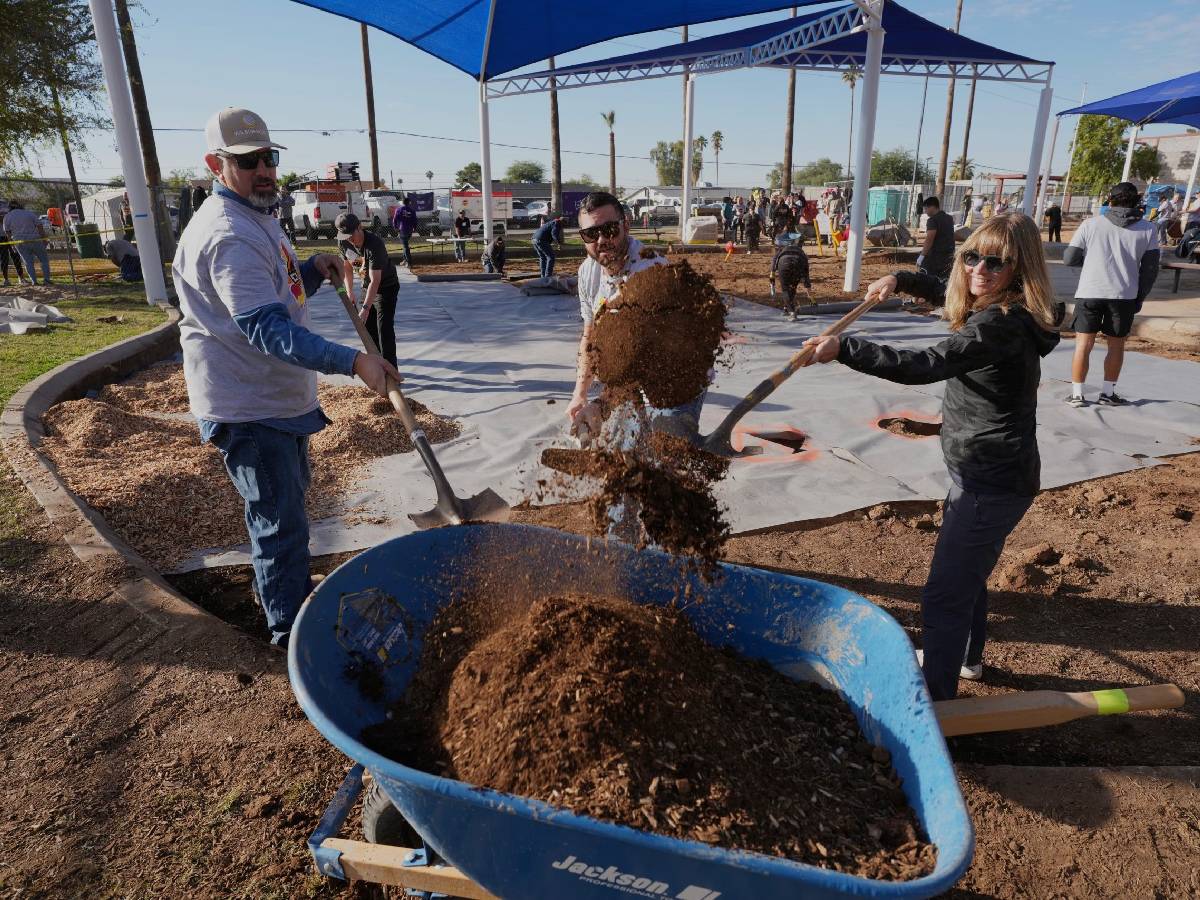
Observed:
{"x":718,"y":442}
{"x":486,"y":506}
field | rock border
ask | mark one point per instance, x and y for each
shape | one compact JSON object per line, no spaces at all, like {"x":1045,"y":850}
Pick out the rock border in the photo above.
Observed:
{"x":84,"y":531}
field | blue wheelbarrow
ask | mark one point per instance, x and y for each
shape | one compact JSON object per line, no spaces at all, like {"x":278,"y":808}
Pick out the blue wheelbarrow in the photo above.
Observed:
{"x":355,"y":646}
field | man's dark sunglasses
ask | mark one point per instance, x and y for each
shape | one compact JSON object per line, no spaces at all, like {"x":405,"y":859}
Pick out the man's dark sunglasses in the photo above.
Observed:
{"x":992,"y":263}
{"x":250,"y":161}
{"x":593,"y":234}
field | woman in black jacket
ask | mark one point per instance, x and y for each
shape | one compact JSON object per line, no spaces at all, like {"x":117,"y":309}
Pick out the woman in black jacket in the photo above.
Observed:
{"x":999,"y":304}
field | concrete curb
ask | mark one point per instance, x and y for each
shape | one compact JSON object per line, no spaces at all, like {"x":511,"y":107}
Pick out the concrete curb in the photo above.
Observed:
{"x":85,"y":532}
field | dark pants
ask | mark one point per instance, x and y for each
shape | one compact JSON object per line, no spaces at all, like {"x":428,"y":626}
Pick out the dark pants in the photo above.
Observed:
{"x":545,"y":255}
{"x":954,"y":601}
{"x":270,"y":470}
{"x":405,"y":238}
{"x":1054,"y":232}
{"x":381,"y":322}
{"x":7,"y":253}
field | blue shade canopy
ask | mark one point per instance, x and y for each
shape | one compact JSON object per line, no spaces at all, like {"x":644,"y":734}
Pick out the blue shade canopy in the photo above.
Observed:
{"x":525,"y":31}
{"x":817,"y":40}
{"x":1176,"y":101}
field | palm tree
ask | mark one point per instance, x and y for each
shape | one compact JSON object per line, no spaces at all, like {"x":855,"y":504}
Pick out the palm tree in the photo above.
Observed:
{"x":609,"y":118}
{"x":851,"y":76}
{"x":964,"y":169}
{"x":718,"y":141}
{"x":429,"y":177}
{"x":555,"y":148}
{"x":698,"y":145}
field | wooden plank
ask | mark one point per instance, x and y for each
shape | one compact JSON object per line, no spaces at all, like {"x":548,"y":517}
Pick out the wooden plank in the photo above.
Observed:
{"x":381,"y":864}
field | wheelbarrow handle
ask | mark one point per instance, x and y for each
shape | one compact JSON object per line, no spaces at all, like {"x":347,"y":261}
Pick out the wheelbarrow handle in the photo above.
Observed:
{"x":1034,"y":709}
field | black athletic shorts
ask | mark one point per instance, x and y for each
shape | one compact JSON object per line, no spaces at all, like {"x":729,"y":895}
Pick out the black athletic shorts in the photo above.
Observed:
{"x":1111,"y":317}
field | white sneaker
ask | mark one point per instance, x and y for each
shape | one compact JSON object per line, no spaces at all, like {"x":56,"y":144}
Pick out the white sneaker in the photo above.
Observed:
{"x":967,"y":673}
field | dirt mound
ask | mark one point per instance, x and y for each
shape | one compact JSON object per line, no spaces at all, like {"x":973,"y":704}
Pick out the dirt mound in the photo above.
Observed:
{"x":160,"y":388}
{"x":910,"y":427}
{"x":622,"y":712}
{"x":660,"y":336}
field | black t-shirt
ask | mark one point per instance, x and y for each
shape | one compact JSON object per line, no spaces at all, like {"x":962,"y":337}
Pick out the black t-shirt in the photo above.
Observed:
{"x":1054,"y":214}
{"x":375,"y":253}
{"x":942,"y":251}
{"x":462,"y":226}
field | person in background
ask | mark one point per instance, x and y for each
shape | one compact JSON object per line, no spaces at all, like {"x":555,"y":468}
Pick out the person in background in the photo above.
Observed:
{"x":967,"y":200}
{"x":728,"y":212}
{"x":999,"y":305}
{"x":125,"y":257}
{"x":1118,"y":254}
{"x":8,"y":251}
{"x":404,"y":220}
{"x":23,"y":227}
{"x":937,"y":251}
{"x":493,"y":257}
{"x":199,"y":195}
{"x":249,"y":360}
{"x":381,"y":286}
{"x":1168,"y":215}
{"x":462,"y":231}
{"x":753,"y":226}
{"x":548,"y":234}
{"x":286,"y":204}
{"x":741,"y":207}
{"x":1054,"y":223}
{"x":127,"y":219}
{"x":185,"y":209}
{"x":789,"y":270}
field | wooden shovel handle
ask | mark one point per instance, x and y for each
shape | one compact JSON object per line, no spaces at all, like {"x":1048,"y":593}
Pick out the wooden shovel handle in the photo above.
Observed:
{"x":1033,"y":709}
{"x":393,"y":389}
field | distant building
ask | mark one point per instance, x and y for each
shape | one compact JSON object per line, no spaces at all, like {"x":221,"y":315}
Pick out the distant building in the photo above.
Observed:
{"x":1176,"y":152}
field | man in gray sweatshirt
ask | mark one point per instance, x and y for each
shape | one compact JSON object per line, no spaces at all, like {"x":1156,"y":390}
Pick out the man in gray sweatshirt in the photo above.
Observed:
{"x":1119,"y":255}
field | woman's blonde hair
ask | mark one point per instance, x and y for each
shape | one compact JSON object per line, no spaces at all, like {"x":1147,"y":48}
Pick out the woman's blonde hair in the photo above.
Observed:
{"x":1010,"y":236}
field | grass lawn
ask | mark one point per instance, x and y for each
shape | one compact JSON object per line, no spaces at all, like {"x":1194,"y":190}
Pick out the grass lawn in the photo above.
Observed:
{"x":24,"y":357}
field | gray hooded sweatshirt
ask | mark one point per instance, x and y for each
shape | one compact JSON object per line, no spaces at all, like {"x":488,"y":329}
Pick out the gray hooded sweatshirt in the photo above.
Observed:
{"x":1119,"y":255}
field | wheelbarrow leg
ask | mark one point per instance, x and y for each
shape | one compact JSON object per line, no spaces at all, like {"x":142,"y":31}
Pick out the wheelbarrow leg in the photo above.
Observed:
{"x":326,"y":859}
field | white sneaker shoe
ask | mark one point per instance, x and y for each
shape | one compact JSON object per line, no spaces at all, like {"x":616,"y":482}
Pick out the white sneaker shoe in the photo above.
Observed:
{"x":968,"y":673}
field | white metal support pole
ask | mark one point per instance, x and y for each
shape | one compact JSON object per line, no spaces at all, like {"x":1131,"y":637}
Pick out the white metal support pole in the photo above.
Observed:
{"x":866,"y":141}
{"x":689,"y":121}
{"x":1129,"y":152}
{"x":485,"y":162}
{"x":1071,"y":158}
{"x":1191,"y":185}
{"x":129,"y":149}
{"x":1047,"y":164}
{"x":1037,"y":147}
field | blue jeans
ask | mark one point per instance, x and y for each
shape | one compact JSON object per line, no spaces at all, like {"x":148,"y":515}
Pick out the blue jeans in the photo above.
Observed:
{"x":460,"y":250}
{"x":954,"y":602}
{"x":624,"y":522}
{"x":35,"y":250}
{"x":545,"y":255}
{"x":405,"y":238}
{"x":270,"y":470}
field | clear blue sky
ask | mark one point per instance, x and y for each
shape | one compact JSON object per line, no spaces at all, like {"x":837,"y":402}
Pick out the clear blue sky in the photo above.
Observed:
{"x":300,"y":68}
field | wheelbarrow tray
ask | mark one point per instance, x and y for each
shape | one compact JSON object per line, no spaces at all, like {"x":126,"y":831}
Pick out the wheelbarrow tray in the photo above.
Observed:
{"x":379,"y":605}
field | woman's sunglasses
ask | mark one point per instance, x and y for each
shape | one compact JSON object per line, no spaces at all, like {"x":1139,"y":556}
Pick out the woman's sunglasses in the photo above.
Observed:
{"x":993,"y":264}
{"x":250,"y":161}
{"x":594,"y":233}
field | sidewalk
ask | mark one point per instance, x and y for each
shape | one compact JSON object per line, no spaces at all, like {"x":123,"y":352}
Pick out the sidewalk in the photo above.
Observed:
{"x":1165,"y":317}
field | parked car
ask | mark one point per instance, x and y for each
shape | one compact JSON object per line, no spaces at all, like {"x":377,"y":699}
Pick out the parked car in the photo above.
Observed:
{"x":380,"y":205}
{"x":520,"y":217}
{"x":311,"y":217}
{"x":535,"y":208}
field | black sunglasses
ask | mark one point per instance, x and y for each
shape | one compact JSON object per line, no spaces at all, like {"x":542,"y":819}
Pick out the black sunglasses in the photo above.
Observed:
{"x":250,"y":161}
{"x":593,"y":234}
{"x":992,"y":263}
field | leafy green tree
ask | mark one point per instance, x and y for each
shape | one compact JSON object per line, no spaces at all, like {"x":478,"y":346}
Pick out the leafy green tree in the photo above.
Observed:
{"x":1099,"y":154}
{"x":471,"y":173}
{"x":1146,"y":163}
{"x":588,"y":181}
{"x":289,"y":180}
{"x":818,"y":172}
{"x":181,"y":177}
{"x":526,"y":170}
{"x":667,"y":157}
{"x":896,"y":167}
{"x":963,"y":169}
{"x":117,"y":181}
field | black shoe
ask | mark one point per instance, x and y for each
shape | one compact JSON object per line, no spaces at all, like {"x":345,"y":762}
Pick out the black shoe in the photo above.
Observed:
{"x":1112,"y":400}
{"x":1077,"y":402}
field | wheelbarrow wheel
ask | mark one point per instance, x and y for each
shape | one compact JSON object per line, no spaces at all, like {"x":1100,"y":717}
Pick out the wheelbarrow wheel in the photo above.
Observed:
{"x":382,"y":822}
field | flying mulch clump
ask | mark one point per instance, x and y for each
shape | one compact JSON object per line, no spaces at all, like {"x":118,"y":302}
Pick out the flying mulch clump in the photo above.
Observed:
{"x":622,"y":712}
{"x":139,"y":465}
{"x":659,"y":336}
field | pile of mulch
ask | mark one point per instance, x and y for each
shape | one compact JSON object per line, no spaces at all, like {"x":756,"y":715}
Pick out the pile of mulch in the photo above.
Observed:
{"x":168,"y":495}
{"x":622,"y":712}
{"x":659,"y":336}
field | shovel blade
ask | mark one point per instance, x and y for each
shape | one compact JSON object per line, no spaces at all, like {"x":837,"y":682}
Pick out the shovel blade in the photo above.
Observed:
{"x":486,"y":506}
{"x":719,"y":445}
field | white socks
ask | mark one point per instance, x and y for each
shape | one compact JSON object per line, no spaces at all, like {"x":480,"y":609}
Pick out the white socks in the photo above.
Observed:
{"x":1110,"y":388}
{"x":1077,"y":389}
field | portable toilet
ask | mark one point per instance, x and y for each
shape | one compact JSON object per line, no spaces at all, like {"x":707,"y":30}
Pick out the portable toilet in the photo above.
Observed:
{"x":883,"y":202}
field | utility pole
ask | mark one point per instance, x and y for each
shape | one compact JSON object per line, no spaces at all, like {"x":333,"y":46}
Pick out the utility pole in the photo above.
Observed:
{"x":789,"y":127}
{"x":366,"y":53}
{"x":141,"y":112}
{"x":970,"y":114}
{"x":555,"y":150}
{"x":941,"y":174}
{"x":66,"y":145}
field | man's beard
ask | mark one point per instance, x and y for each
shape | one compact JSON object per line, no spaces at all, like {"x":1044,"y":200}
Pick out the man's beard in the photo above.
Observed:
{"x":613,"y":259}
{"x":264,"y":197}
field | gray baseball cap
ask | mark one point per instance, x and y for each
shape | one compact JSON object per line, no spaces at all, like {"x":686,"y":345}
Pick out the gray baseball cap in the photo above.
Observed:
{"x":237,"y":130}
{"x":346,"y":223}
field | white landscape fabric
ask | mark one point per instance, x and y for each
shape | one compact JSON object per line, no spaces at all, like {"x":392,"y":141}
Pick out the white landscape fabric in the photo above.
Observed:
{"x":493,"y":358}
{"x":19,"y":315}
